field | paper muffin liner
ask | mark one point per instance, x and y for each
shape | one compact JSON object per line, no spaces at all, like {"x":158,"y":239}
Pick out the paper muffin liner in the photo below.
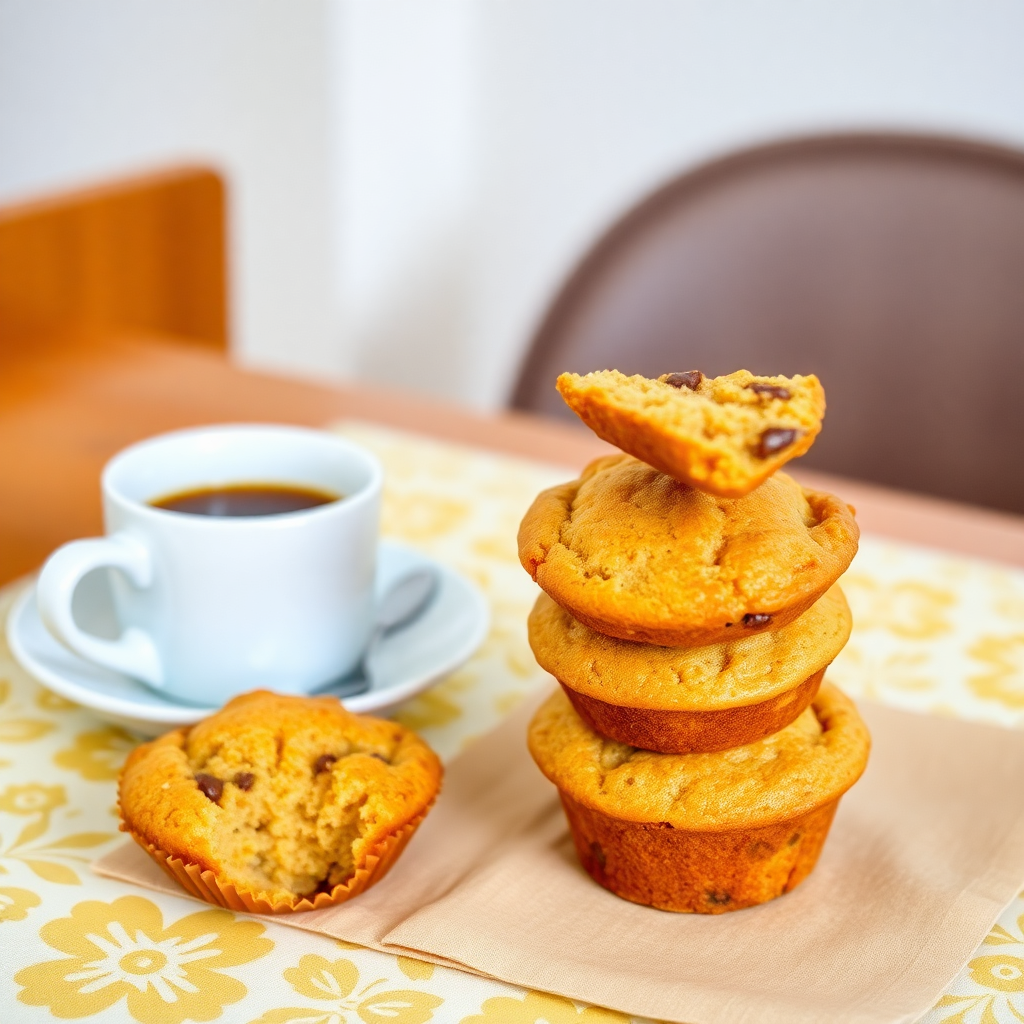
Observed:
{"x":206,"y":885}
{"x":695,"y":872}
{"x":670,"y":731}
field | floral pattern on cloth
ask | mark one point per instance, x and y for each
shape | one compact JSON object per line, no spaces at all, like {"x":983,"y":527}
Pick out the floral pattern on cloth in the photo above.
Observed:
{"x":342,"y":994}
{"x":124,"y":951}
{"x":933,"y":633}
{"x":541,"y":1008}
{"x":990,"y":990}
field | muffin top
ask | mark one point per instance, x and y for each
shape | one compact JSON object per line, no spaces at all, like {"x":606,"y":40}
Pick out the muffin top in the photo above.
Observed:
{"x":280,"y":794}
{"x":811,"y":762}
{"x":747,"y":670}
{"x":724,"y":435}
{"x":635,"y":554}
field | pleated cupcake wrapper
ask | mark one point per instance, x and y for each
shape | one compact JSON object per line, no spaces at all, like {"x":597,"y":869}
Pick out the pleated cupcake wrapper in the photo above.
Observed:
{"x":205,"y":884}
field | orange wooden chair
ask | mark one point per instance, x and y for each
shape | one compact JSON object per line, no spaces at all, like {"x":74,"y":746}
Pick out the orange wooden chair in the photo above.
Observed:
{"x":94,"y":287}
{"x":145,"y":254}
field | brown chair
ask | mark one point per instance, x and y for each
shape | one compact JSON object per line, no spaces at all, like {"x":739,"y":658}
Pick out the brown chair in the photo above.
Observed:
{"x":890,"y":266}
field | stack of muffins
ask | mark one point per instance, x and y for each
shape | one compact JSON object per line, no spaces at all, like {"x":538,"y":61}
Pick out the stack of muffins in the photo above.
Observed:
{"x":690,"y":610}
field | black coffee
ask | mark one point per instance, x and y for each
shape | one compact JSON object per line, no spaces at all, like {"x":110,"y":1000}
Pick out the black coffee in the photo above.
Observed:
{"x":245,"y":500}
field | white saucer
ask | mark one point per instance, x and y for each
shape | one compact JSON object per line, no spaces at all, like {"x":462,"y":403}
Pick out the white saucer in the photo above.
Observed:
{"x":404,"y":663}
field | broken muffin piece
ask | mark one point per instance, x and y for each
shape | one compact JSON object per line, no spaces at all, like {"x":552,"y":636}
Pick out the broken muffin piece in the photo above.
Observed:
{"x":285,"y":797}
{"x":722,"y":435}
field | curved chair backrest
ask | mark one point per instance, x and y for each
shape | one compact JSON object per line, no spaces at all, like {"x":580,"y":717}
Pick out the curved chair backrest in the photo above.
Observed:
{"x":890,"y":266}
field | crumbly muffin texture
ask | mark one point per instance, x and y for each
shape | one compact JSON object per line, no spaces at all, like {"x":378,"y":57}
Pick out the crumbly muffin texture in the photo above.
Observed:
{"x":806,"y":765}
{"x":634,"y":554}
{"x":283,"y":795}
{"x":735,"y":673}
{"x":724,"y":435}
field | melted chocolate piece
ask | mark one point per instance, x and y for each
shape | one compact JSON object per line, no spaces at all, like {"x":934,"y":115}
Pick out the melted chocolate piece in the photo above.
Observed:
{"x":774,"y":439}
{"x":719,"y":899}
{"x":323,"y":763}
{"x":380,"y":757}
{"x":756,"y":619}
{"x":244,"y":780}
{"x":598,"y":854}
{"x":771,"y":390}
{"x":210,"y":786}
{"x":324,"y":885}
{"x":691,"y":379}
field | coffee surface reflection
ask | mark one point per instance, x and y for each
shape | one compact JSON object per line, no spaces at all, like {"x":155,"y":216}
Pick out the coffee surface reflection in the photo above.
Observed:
{"x":245,"y":500}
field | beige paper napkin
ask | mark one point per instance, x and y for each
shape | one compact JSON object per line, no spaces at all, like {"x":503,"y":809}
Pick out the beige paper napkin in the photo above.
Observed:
{"x":925,"y":852}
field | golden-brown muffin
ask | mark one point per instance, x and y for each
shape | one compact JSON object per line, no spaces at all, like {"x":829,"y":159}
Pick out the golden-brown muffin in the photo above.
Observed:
{"x":293,"y":801}
{"x":635,"y":554}
{"x":681,"y":700}
{"x":702,"y":833}
{"x":724,"y":435}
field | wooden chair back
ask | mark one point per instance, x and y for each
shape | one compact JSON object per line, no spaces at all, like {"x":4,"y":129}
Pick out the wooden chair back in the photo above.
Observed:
{"x":144,"y":254}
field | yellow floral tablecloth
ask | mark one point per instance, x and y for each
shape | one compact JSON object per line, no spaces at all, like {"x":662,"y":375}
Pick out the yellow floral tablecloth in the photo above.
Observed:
{"x":932,"y":633}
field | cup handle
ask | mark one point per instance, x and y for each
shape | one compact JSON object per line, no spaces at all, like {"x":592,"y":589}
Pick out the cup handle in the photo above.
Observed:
{"x":134,"y":653}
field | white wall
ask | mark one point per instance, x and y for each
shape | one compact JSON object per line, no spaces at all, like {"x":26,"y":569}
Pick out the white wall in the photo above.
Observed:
{"x":581,"y":106}
{"x":95,"y":89}
{"x":413,"y":178}
{"x":406,"y":91}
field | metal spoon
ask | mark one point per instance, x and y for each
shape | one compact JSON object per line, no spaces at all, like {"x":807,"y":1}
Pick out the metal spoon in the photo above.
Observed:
{"x":403,"y":603}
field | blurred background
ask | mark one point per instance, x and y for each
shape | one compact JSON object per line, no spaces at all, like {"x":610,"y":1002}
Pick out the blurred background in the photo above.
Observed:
{"x":410,"y":185}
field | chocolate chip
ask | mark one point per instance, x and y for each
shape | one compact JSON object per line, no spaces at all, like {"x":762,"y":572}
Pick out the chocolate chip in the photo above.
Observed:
{"x":323,"y":763}
{"x":380,"y":757}
{"x":774,"y":439}
{"x":325,"y":885}
{"x":719,"y":899}
{"x":794,"y":839}
{"x":244,"y":780}
{"x":691,"y":379}
{"x":771,"y":390}
{"x":756,"y":619}
{"x":598,"y":855}
{"x":210,"y":786}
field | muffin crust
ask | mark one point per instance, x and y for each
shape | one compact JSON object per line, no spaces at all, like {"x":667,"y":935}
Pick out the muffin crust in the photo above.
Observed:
{"x":697,"y":872}
{"x":702,"y":833}
{"x":694,"y":732}
{"x":734,"y":673}
{"x":634,"y":554}
{"x":811,"y":762}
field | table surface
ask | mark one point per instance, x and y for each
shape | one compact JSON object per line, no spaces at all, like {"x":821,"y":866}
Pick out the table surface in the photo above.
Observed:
{"x":933,"y":634}
{"x":67,"y":405}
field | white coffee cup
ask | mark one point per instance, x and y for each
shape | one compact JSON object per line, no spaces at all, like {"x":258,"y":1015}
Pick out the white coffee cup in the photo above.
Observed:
{"x":212,"y":606}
